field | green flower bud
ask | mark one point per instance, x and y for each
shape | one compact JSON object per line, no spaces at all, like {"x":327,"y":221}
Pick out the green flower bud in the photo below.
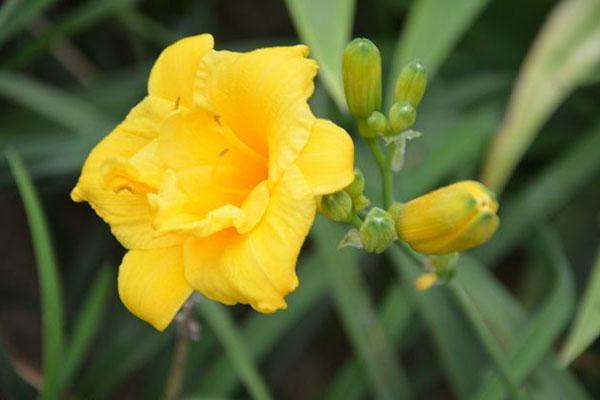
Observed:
{"x":402,"y":116}
{"x":361,"y":202}
{"x":378,"y":123}
{"x":357,"y":187}
{"x":364,"y":130}
{"x":361,"y":73}
{"x":377,"y":231}
{"x":336,"y":206}
{"x":411,"y":84}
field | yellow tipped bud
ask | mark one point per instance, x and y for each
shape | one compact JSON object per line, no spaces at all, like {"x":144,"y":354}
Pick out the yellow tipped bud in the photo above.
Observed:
{"x":402,"y":116}
{"x":450,"y":219}
{"x":425,"y":281}
{"x":336,"y":206}
{"x":377,"y":231}
{"x":411,"y":84}
{"x":361,"y":73}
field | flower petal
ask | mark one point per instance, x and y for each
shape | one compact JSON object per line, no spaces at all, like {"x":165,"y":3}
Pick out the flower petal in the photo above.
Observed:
{"x":172,"y":76}
{"x":327,"y":161}
{"x":257,"y":268}
{"x":152,"y":284}
{"x":261,"y":96}
{"x":125,"y":211}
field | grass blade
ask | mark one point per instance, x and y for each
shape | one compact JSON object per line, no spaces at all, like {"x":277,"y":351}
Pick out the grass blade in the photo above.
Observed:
{"x":57,"y":105}
{"x":326,"y":27}
{"x":432,"y":30}
{"x":586,"y":327}
{"x":86,"y":15}
{"x":25,"y":12}
{"x":563,"y":55}
{"x":86,"y":326}
{"x":386,"y":379}
{"x":261,"y":332}
{"x":535,"y":340}
{"x":544,"y":195}
{"x":219,"y":321}
{"x":52,"y":307}
{"x":395,"y":314}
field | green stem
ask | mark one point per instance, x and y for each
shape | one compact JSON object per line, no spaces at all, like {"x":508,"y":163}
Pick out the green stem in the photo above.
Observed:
{"x":487,"y":339}
{"x":355,"y":221}
{"x":387,"y":175}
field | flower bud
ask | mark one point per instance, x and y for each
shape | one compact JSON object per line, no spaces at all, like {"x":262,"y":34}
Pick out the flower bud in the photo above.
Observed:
{"x":450,"y":219}
{"x":361,"y":73}
{"x":411,"y":84}
{"x":402,"y":116}
{"x":357,"y":187}
{"x":378,"y":123}
{"x":377,"y":231}
{"x":336,"y":206}
{"x":425,"y":281}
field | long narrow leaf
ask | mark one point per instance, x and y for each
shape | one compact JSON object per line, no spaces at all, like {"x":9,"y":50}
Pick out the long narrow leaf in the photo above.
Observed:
{"x":432,"y":30}
{"x":262,"y":332}
{"x":326,"y":27}
{"x":536,"y":339}
{"x":57,"y":105}
{"x":587,"y":323}
{"x":387,"y":379}
{"x":220,"y":322}
{"x":86,"y":326}
{"x":544,"y":195}
{"x":22,"y":14}
{"x":565,"y":52}
{"x":52,"y":307}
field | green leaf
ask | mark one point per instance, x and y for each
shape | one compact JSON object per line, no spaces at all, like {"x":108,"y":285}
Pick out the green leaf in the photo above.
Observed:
{"x":544,"y":195}
{"x":55,"y":104}
{"x":326,"y":27}
{"x":86,"y":326}
{"x":432,"y":30}
{"x":47,"y":267}
{"x":536,"y":338}
{"x":586,"y":327}
{"x":127,"y":346}
{"x":395,"y":313}
{"x":449,"y":331}
{"x":86,"y":15}
{"x":261,"y":332}
{"x":563,"y":55}
{"x":526,"y":339}
{"x":386,"y":378}
{"x":219,"y":321}
{"x":19,"y":14}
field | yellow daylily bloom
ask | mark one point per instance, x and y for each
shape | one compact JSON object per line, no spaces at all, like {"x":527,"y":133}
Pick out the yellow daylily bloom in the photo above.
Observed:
{"x":211,"y":180}
{"x":450,"y":219}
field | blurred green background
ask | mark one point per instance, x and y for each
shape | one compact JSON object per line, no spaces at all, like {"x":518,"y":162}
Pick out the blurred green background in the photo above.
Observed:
{"x":513,"y":100}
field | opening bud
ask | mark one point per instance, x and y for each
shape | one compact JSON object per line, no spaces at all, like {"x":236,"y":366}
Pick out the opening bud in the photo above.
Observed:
{"x":450,"y":219}
{"x":377,"y":231}
{"x":336,"y":206}
{"x":361,"y":73}
{"x":402,"y":116}
{"x":411,"y":84}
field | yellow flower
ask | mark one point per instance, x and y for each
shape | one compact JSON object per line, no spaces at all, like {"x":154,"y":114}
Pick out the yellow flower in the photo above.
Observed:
{"x":453,"y":218}
{"x":210,"y":181}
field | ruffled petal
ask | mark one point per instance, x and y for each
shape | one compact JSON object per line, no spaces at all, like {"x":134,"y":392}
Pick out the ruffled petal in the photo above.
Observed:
{"x":327,"y":161}
{"x":126,"y":211}
{"x":172,"y":76}
{"x":152,"y":284}
{"x":261,"y":96}
{"x":189,"y":202}
{"x":257,"y":268}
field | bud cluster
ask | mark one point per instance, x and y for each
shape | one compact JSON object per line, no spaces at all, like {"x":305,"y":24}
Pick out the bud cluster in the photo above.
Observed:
{"x":361,"y":73}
